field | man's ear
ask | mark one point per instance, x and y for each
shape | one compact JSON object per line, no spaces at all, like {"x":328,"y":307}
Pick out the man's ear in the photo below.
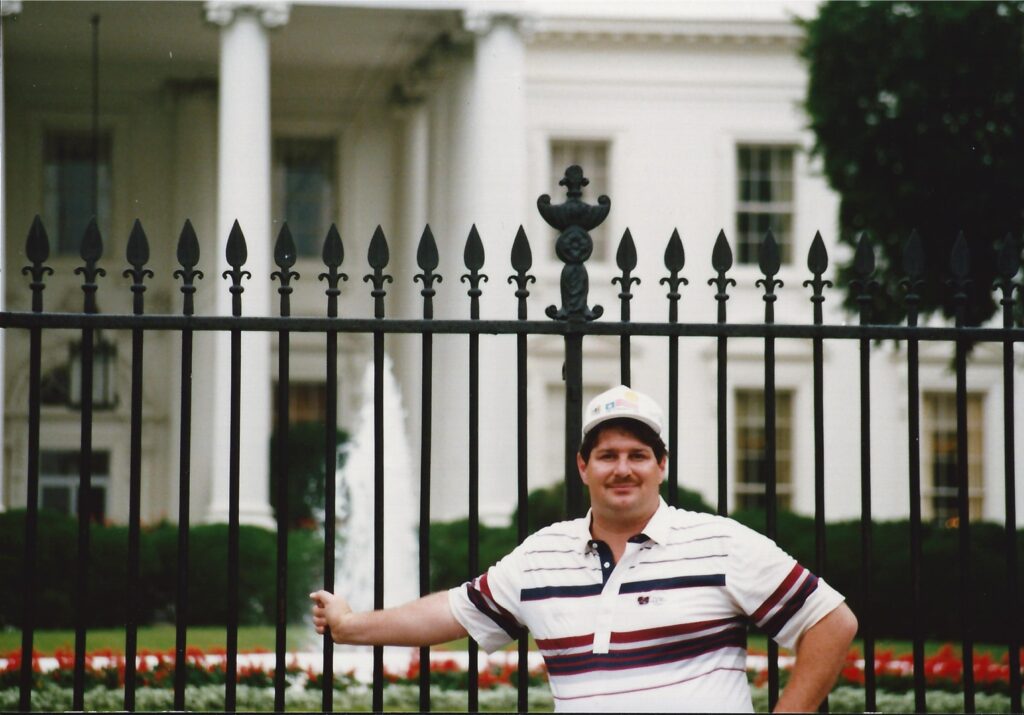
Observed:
{"x":581,"y":466}
{"x":663,"y":466}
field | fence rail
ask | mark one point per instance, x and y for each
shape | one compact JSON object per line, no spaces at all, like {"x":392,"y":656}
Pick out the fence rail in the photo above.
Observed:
{"x":574,"y":319}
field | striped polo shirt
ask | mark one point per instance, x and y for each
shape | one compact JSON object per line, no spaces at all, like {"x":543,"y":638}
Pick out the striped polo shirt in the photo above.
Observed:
{"x":664,"y":629}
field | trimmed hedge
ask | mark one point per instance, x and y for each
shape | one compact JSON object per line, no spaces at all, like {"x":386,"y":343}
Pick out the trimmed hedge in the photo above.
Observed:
{"x":154,"y":596}
{"x":890,"y":609}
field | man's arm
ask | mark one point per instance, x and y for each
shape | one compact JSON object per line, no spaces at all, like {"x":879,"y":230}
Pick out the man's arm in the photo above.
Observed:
{"x":819,"y":658}
{"x":426,"y":621}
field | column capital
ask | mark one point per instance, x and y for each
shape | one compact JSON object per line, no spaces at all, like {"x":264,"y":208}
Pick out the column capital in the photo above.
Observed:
{"x":479,"y":21}
{"x":270,"y":14}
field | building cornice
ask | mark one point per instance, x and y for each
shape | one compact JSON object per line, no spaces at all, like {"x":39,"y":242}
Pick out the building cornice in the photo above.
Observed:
{"x":603,"y":30}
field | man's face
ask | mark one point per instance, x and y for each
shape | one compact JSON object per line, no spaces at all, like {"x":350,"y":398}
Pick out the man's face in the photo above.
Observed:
{"x":622,"y":475}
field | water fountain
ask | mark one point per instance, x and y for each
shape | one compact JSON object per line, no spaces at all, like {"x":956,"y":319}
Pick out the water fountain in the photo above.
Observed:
{"x":354,"y":553}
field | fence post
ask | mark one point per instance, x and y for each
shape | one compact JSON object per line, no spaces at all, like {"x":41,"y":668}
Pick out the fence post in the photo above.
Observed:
{"x":574,"y":219}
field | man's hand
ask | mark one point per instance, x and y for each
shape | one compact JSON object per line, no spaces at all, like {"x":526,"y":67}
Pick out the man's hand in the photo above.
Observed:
{"x":819,"y":657}
{"x":330,"y":613}
{"x":426,"y":621}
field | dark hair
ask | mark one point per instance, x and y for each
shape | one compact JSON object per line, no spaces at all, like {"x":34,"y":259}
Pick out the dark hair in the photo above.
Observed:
{"x":634,"y":427}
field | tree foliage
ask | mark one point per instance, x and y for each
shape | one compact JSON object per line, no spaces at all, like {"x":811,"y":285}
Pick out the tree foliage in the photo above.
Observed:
{"x":918,"y":115}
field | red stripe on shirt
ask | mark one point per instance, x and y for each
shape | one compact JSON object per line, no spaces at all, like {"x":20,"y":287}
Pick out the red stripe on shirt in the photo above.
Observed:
{"x":777,"y":595}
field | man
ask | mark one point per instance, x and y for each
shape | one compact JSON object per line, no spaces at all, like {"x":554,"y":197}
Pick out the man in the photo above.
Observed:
{"x":637,"y":606}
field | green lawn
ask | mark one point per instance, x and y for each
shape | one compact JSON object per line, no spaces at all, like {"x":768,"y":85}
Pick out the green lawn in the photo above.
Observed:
{"x":301,"y":638}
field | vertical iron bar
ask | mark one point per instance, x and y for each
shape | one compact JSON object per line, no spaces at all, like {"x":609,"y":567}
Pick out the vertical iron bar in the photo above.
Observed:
{"x":817,"y":262}
{"x":330,"y":504}
{"x":474,"y":495}
{"x":378,"y":256}
{"x":721,"y":261}
{"x":378,"y":509}
{"x":184,"y":495}
{"x":769,"y":262}
{"x":675,"y":259}
{"x":964,"y":525}
{"x":37,"y":250}
{"x":284,"y":257}
{"x":625,"y":259}
{"x":867,"y":630}
{"x":135,"y":493}
{"x":427,"y":259}
{"x":188,"y":257}
{"x":29,"y":586}
{"x":1012,"y":586}
{"x":913,"y":283}
{"x":333,"y":254}
{"x":426,"y":402}
{"x":522,"y":261}
{"x":280,"y":643}
{"x":473,"y":257}
{"x":234,"y":434}
{"x":770,"y":486}
{"x":84,"y":499}
{"x":573,"y":418}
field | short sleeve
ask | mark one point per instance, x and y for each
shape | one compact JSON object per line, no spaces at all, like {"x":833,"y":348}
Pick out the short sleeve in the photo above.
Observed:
{"x":779,"y":595}
{"x":488,"y":606}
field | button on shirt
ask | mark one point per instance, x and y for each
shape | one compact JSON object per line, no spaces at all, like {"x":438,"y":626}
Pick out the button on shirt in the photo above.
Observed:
{"x":664,"y":629}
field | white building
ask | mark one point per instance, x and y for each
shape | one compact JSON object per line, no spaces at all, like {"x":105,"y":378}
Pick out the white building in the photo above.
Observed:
{"x":453,"y":113}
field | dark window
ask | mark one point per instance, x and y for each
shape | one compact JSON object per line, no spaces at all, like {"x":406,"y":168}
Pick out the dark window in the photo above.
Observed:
{"x":751,"y":464}
{"x":73,"y":190}
{"x":59,"y":481}
{"x":764,"y":200}
{"x":304,"y":187}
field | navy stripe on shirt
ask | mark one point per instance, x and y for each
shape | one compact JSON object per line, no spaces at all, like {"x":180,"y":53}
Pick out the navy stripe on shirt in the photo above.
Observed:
{"x":544,"y":592}
{"x":664,"y":584}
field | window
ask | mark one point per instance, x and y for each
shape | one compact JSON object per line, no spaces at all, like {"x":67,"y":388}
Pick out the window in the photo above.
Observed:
{"x":592,"y":156}
{"x":58,"y":482}
{"x":751,"y":465}
{"x":69,"y":200}
{"x":938,"y":458}
{"x":62,"y":384}
{"x":764,"y":200}
{"x":304,"y":190}
{"x":307,"y":402}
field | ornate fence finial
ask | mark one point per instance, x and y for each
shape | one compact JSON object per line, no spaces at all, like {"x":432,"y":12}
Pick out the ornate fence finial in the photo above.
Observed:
{"x":236,"y":254}
{"x":960,"y":267}
{"x":864,"y":267}
{"x":522,"y":261}
{"x":817,"y":264}
{"x":137,"y":254}
{"x":473,"y":257}
{"x":721,"y":261}
{"x":378,"y":257}
{"x":675,"y":259}
{"x":1008,"y":261}
{"x":333,"y":254}
{"x":37,"y":249}
{"x":913,"y":267}
{"x":574,"y":219}
{"x":769,"y":262}
{"x":188,"y":257}
{"x":284,"y":257}
{"x":427,"y":259}
{"x":91,"y":251}
{"x":625,"y":259}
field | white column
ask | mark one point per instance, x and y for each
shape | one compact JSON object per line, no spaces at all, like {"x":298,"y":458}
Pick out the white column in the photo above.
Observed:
{"x":488,"y":188}
{"x":9,"y":8}
{"x":243,"y":194}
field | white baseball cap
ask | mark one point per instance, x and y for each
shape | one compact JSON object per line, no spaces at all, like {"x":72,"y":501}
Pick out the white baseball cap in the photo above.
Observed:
{"x":622,"y":402}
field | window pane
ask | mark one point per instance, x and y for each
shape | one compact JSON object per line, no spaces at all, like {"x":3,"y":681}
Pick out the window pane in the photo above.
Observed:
{"x":764,"y":199}
{"x":304,"y":174}
{"x":68,"y":181}
{"x":751,"y":439}
{"x":940,"y":460}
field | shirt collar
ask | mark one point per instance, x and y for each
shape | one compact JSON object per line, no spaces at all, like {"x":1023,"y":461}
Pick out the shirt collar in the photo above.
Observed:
{"x":657,"y":528}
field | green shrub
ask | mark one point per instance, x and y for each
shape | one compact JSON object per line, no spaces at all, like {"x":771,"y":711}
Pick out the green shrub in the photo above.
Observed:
{"x":890,"y":611}
{"x":155,"y":594}
{"x":305,"y":471}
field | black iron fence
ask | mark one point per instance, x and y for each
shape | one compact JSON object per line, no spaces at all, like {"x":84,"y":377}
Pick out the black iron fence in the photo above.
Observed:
{"x":574,"y":319}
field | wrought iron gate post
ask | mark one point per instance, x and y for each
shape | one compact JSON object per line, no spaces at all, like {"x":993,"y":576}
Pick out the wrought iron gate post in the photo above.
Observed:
{"x":574,"y":219}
